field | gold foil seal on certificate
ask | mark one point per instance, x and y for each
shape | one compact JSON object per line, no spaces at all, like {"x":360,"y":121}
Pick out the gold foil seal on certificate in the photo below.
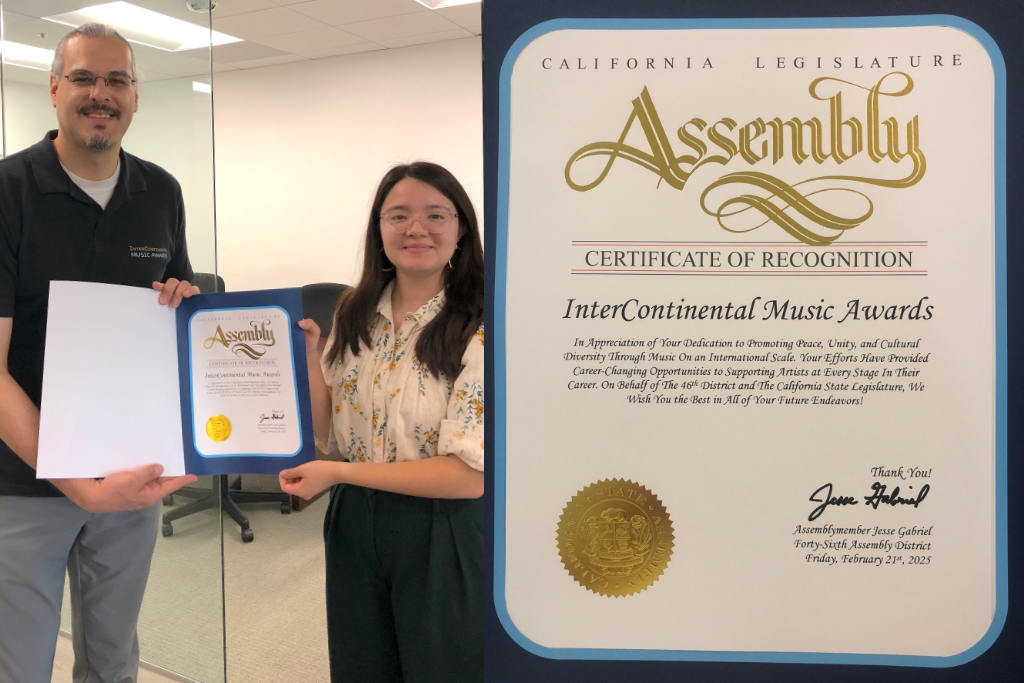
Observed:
{"x":218,"y":428}
{"x":615,"y":537}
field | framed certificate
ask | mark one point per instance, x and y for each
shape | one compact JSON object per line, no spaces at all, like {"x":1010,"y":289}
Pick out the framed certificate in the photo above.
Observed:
{"x":749,"y":326}
{"x":245,"y":394}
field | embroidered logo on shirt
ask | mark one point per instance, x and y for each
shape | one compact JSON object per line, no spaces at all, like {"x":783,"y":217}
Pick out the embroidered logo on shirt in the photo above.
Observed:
{"x":149,"y":252}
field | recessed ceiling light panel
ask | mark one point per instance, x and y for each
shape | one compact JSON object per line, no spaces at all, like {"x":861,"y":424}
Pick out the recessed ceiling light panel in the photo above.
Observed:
{"x":28,"y":56}
{"x":441,"y":4}
{"x":146,"y":27}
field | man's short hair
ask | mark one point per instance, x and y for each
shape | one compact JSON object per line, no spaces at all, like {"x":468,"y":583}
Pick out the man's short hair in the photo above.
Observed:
{"x":89,"y":31}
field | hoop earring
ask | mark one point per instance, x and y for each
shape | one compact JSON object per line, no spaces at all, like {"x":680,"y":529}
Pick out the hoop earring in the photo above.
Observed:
{"x":383,"y":269}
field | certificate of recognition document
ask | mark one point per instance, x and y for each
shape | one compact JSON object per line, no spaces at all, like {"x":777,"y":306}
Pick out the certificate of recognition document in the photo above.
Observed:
{"x":750,"y":360}
{"x":216,"y":386}
{"x":244,"y":398}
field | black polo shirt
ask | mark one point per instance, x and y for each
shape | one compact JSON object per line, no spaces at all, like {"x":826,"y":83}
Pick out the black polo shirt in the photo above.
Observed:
{"x":51,"y":230}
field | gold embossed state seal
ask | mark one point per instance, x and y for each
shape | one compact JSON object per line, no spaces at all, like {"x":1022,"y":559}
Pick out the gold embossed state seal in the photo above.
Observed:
{"x":218,"y":428}
{"x":615,"y":537}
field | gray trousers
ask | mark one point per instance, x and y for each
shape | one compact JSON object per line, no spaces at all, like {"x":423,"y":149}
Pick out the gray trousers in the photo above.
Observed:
{"x":107,"y":559}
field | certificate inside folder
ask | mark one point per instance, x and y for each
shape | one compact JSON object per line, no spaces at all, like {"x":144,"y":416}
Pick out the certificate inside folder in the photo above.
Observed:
{"x":217,"y":386}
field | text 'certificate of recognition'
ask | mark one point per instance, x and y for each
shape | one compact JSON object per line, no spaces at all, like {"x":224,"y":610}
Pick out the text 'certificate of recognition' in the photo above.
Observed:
{"x":243,"y":398}
{"x":749,"y":341}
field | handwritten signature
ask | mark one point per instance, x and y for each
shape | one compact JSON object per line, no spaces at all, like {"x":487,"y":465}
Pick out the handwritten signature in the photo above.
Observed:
{"x":275,"y":415}
{"x":878,"y":496}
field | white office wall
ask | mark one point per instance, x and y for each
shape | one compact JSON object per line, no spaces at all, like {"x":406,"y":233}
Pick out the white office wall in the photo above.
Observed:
{"x":300,"y":148}
{"x":173,"y":128}
{"x":27,"y":112}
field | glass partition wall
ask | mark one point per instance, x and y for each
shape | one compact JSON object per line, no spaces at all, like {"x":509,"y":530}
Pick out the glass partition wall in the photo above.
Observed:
{"x":181,"y":627}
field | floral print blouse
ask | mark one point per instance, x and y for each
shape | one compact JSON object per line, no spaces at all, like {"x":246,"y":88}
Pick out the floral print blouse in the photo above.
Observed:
{"x":386,"y":405}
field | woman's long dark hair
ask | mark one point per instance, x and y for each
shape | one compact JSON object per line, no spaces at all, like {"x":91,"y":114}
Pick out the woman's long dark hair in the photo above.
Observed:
{"x":443,"y":341}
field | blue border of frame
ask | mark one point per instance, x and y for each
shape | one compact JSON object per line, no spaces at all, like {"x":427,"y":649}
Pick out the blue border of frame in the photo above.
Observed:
{"x":499,"y":336}
{"x":287,"y":299}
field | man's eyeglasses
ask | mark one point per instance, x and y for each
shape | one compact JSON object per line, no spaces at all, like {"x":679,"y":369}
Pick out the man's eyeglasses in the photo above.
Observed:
{"x":434,"y":219}
{"x":115,"y":80}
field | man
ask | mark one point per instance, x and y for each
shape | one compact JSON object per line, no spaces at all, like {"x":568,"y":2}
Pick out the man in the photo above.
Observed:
{"x":76,"y":207}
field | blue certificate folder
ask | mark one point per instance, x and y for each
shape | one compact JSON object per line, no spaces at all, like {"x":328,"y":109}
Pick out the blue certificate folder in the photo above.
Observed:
{"x":244,"y":388}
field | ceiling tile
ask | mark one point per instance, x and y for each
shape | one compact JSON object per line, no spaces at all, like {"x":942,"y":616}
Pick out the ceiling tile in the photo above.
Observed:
{"x":237,"y":52}
{"x":422,"y":38}
{"x":27,"y":30}
{"x":154,"y":65}
{"x":262,"y":23}
{"x":466,"y":16}
{"x":172,"y":8}
{"x":304,"y":42}
{"x":269,"y":61}
{"x":394,"y":28}
{"x":41,"y":8}
{"x":15,"y":18}
{"x":227,"y":8}
{"x":354,"y":48}
{"x":350,"y":11}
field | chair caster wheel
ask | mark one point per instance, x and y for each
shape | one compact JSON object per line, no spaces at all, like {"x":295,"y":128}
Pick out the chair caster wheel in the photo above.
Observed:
{"x":167,"y":529}
{"x":247,"y":535}
{"x":286,"y":508}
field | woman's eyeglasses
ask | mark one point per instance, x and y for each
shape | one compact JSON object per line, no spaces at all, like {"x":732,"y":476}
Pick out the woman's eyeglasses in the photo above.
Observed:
{"x":434,"y":219}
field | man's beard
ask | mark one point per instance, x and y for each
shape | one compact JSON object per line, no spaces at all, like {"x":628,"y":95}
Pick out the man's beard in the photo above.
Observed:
{"x":98,"y":143}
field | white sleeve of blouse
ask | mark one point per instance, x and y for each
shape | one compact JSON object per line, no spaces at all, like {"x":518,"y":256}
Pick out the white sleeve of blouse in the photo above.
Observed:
{"x":462,"y":429}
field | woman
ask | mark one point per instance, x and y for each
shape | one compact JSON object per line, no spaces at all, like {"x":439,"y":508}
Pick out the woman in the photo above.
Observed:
{"x":400,"y":396}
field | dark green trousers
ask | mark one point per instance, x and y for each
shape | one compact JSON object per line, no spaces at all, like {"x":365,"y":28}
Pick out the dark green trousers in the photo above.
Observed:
{"x":405,"y":587}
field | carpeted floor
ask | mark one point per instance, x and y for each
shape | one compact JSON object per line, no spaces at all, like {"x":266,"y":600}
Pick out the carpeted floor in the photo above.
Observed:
{"x":274,"y":597}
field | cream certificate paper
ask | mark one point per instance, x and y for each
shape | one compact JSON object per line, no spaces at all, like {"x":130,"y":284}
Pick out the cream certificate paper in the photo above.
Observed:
{"x":750,"y":365}
{"x":244,"y":400}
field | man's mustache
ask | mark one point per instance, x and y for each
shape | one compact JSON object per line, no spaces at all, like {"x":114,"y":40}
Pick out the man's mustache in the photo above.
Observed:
{"x":85,"y":111}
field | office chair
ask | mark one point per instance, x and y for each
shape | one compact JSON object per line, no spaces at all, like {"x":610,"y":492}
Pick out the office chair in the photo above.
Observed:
{"x":318,"y":302}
